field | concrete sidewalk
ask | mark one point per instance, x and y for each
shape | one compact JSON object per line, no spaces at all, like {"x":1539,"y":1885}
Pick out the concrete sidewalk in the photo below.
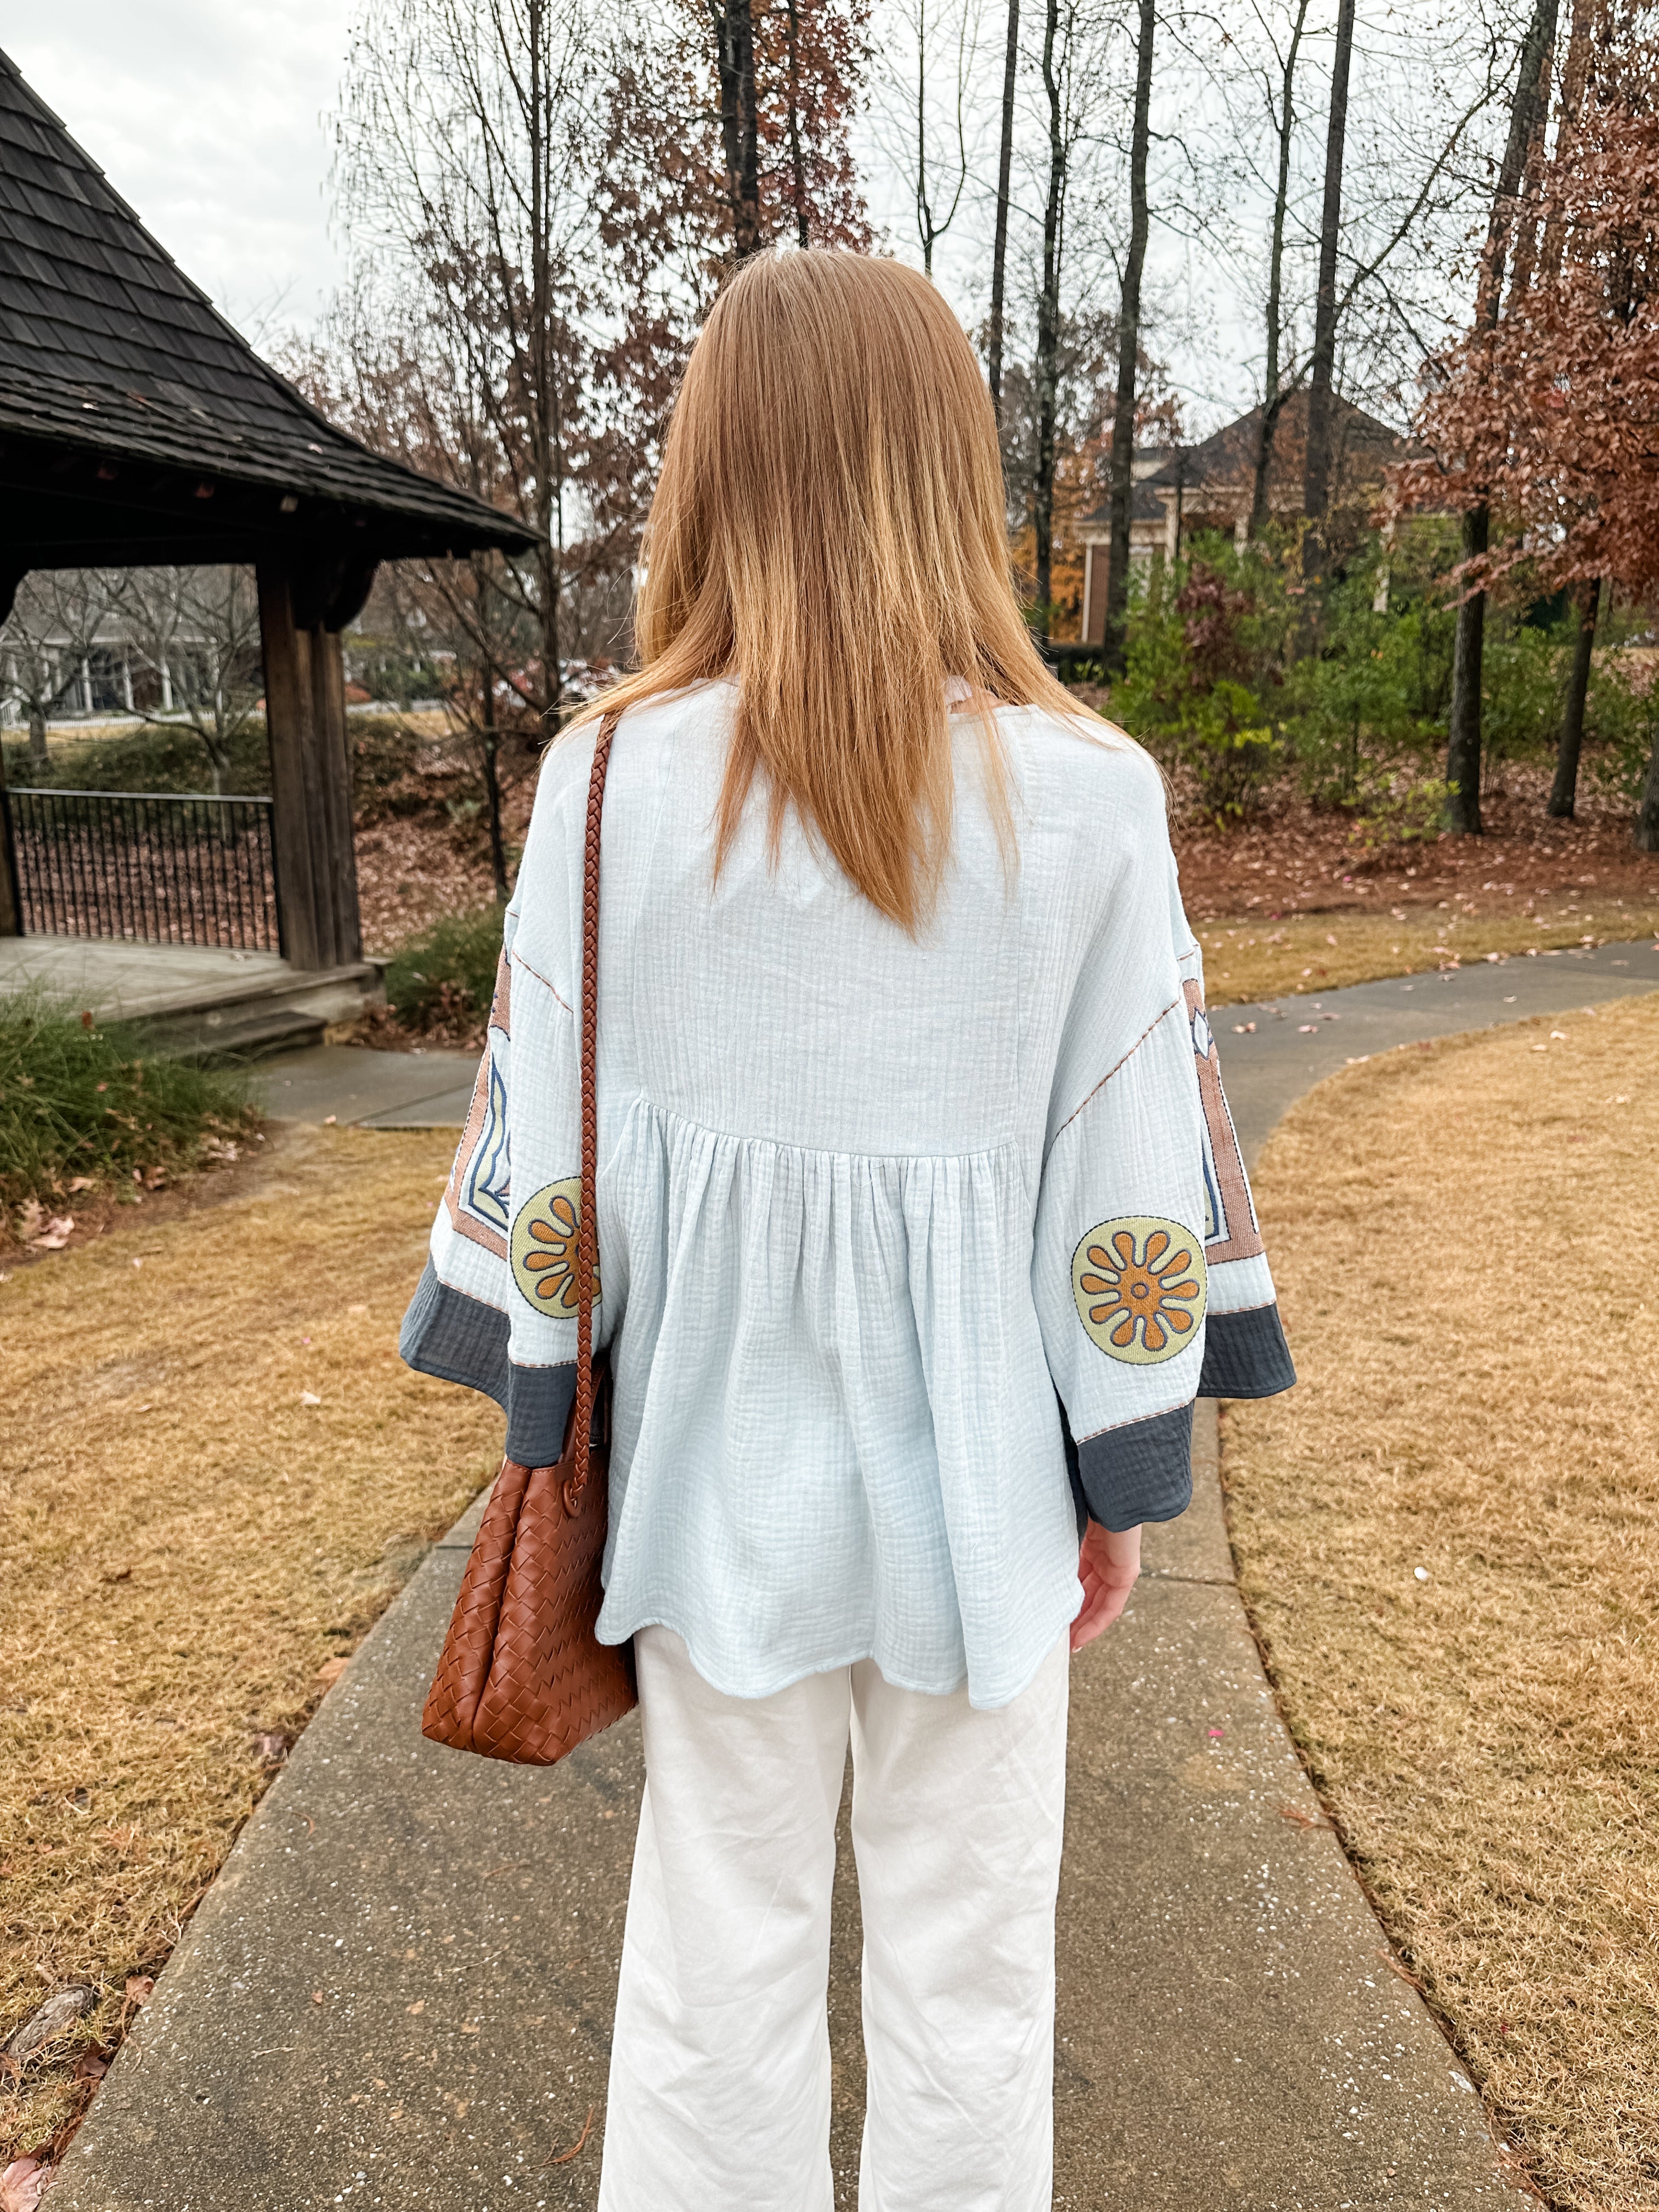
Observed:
{"x":373,"y":1089}
{"x":398,"y":1991}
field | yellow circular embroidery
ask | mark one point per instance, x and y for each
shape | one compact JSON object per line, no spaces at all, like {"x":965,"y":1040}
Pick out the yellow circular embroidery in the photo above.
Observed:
{"x":1141,"y":1287}
{"x":544,"y":1249}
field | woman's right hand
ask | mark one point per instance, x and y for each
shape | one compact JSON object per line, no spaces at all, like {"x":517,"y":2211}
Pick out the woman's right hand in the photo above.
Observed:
{"x":1109,"y":1567}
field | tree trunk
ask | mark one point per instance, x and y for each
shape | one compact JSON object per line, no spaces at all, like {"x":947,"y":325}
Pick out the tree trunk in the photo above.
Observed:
{"x":924,"y":210}
{"x":548,"y":396}
{"x":1317,"y":469}
{"x":1463,"y":746}
{"x":1000,"y":237}
{"x":39,"y":754}
{"x":1463,"y":750}
{"x":797,"y":168}
{"x":1128,"y":350}
{"x":735,"y":29}
{"x":1272,"y":400}
{"x":1563,"y":792}
{"x":1047,"y":344}
{"x":490,"y":753}
{"x":1646,"y":835}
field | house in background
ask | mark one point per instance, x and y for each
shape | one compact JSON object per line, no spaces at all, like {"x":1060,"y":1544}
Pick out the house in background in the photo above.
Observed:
{"x":1210,"y":486}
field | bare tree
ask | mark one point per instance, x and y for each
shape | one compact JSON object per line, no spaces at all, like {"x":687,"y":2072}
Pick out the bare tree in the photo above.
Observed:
{"x":195,"y":634}
{"x":1316,"y":484}
{"x":1540,"y":258}
{"x":46,"y":644}
{"x":1000,"y":234}
{"x":1281,"y":110}
{"x":1526,"y":112}
{"x":1058,"y":23}
{"x":1128,"y":345}
{"x":931,"y":223}
{"x":470,"y":150}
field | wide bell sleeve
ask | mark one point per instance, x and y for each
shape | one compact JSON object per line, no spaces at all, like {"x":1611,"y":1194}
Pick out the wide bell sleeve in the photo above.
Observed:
{"x":1152,"y":1285}
{"x":495,"y":1305}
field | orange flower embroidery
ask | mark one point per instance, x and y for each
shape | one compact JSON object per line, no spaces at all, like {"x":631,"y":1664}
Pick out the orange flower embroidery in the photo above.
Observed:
{"x":553,"y":1263}
{"x":1140,"y":1286}
{"x":546,"y":1248}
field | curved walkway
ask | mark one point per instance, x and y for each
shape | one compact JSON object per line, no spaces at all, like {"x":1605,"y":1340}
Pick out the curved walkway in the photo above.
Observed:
{"x":397,"y":1991}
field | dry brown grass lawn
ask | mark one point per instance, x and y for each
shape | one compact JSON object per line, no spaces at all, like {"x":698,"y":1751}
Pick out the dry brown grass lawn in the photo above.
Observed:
{"x":1448,"y":1539}
{"x":1250,"y":958}
{"x":185,"y":1543}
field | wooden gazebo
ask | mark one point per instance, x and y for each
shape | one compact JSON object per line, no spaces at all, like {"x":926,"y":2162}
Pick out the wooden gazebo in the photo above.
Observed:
{"x":138,"y":429}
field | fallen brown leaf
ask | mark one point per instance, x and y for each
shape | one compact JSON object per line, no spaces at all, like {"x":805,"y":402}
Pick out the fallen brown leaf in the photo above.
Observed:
{"x":1299,"y":1817}
{"x":564,"y":2157}
{"x":1404,"y":1973}
{"x":21,"y":2184}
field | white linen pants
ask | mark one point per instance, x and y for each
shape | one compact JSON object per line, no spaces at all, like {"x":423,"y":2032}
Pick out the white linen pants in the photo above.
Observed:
{"x":720,"y":2071}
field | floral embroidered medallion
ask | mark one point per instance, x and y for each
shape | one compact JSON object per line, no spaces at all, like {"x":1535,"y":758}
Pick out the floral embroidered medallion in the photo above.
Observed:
{"x":1140,"y":1286}
{"x":544,"y":1249}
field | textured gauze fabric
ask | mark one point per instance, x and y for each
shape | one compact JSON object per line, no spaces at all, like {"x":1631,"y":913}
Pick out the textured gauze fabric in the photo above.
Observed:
{"x":904,"y":1242}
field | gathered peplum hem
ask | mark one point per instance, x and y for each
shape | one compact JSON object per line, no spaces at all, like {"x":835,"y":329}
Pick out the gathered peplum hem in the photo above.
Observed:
{"x":840,"y":1344}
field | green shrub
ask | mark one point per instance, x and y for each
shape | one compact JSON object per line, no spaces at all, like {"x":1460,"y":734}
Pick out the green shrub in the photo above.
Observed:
{"x":91,"y":1104}
{"x":445,"y":978}
{"x":1201,"y":658}
{"x":1392,"y":810}
{"x":166,"y":757}
{"x":1523,"y":675}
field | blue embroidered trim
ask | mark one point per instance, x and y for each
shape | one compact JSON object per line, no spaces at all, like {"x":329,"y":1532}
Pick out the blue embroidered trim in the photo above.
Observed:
{"x":1140,"y":1471}
{"x":461,"y":1339}
{"x":1245,"y":1355}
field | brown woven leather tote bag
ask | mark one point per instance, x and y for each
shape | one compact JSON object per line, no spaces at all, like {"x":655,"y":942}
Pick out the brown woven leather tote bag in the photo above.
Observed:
{"x":523,"y":1675}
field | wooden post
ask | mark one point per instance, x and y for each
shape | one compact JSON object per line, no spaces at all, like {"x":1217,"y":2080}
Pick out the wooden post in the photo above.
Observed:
{"x":310,"y":768}
{"x":11,"y":903}
{"x":293,"y":786}
{"x":339,"y":891}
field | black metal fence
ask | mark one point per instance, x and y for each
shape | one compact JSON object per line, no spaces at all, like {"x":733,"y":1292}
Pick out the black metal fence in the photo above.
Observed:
{"x":162,"y":867}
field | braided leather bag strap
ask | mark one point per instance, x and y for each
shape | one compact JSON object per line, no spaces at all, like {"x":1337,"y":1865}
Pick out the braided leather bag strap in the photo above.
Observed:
{"x":587,"y":1230}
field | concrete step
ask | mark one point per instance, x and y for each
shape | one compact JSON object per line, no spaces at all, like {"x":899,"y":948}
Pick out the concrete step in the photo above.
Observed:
{"x":280,"y":1011}
{"x":254,"y":1034}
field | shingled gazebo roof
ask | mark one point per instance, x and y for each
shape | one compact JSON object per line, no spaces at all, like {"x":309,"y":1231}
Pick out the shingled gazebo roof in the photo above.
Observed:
{"x":138,"y":427}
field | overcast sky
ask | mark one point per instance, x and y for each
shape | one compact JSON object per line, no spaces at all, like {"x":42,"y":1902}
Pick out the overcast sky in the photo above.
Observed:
{"x":209,"y":118}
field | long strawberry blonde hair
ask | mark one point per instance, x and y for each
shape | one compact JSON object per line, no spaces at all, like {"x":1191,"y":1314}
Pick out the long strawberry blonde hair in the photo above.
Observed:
{"x":828,"y":531}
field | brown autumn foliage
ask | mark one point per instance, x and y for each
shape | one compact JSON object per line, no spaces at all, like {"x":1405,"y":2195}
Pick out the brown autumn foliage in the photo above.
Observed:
{"x":1550,"y":414}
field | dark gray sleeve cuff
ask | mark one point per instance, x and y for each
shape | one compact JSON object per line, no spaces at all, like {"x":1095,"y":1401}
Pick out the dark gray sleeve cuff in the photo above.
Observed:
{"x":1245,"y":1355}
{"x":1141,"y":1472}
{"x":461,"y":1339}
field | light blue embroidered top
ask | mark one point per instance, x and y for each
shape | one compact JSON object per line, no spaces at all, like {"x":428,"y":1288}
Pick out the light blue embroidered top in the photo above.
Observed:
{"x":865,"y":1204}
